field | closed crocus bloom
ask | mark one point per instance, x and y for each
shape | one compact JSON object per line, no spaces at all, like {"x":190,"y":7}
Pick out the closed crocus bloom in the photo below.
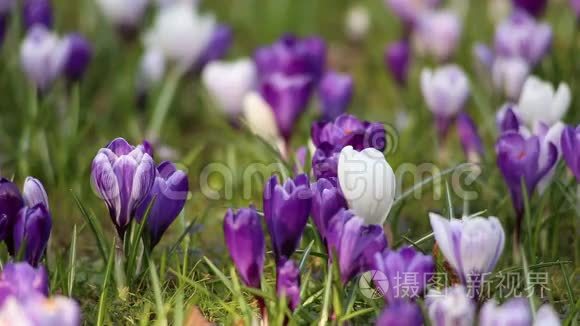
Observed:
{"x":397,"y":58}
{"x":347,"y":130}
{"x":286,"y":211}
{"x":532,"y":7}
{"x":22,"y":281}
{"x":32,"y":229}
{"x":122,"y":175}
{"x":438,"y":34}
{"x":245,"y":241}
{"x":469,"y":137}
{"x":445,"y":91}
{"x":409,"y":11}
{"x":367,"y":182}
{"x":571,"y":149}
{"x":33,"y":193}
{"x":124,"y":14}
{"x":78,"y":56}
{"x":261,"y":120}
{"x":521,"y":36}
{"x":507,"y":118}
{"x":514,"y":312}
{"x":357,"y":23}
{"x":327,"y":200}
{"x":540,"y":102}
{"x":11,"y":202}
{"x":354,"y":243}
{"x":451,"y":307}
{"x":288,"y":283}
{"x":229,"y":82}
{"x":37,"y":12}
{"x":42,"y":56}
{"x":168,"y":194}
{"x":181,"y":33}
{"x":509,"y":75}
{"x":471,"y":245}
{"x":401,"y":314}
{"x":397,"y":266}
{"x":547,"y":316}
{"x":522,"y":158}
{"x":288,"y":97}
{"x":218,"y":46}
{"x":335,"y":91}
{"x":54,"y":311}
{"x":548,"y":136}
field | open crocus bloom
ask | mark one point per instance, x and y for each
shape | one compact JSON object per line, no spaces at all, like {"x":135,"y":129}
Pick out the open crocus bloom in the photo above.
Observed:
{"x":540,"y":102}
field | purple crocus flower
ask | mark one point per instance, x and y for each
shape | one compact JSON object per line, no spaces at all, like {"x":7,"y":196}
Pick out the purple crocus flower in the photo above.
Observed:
{"x":401,"y":314}
{"x":32,"y":229}
{"x":37,"y":12}
{"x":438,"y":34}
{"x":469,"y":137}
{"x":288,"y":97}
{"x":11,"y":202}
{"x":245,"y":241}
{"x":42,"y":57}
{"x":571,"y":149}
{"x":22,"y":281}
{"x":168,"y":194}
{"x":507,"y":118}
{"x":452,"y":306}
{"x":533,"y":7}
{"x":575,"y":4}
{"x":335,"y":93}
{"x":354,"y":243}
{"x":291,"y":55}
{"x":409,"y":11}
{"x":78,"y":57}
{"x":521,"y":36}
{"x":522,"y":159}
{"x":397,"y":58}
{"x":327,"y":200}
{"x":286,"y":210}
{"x":218,"y":46}
{"x":325,"y":161}
{"x":122,"y":175}
{"x":300,"y":156}
{"x":397,"y":266}
{"x":288,"y":283}
{"x":514,"y":312}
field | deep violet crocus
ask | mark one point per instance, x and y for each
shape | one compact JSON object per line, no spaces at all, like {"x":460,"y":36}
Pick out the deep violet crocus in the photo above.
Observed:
{"x":245,"y":241}
{"x":286,"y":211}
{"x":335,"y":91}
{"x":401,"y":314}
{"x":469,"y":137}
{"x":571,"y":149}
{"x":122,"y":175}
{"x":32,"y":229}
{"x":37,"y":12}
{"x":532,"y":7}
{"x":354,"y":243}
{"x":168,"y":194}
{"x":397,"y":58}
{"x":11,"y":202}
{"x":327,"y":200}
{"x":22,"y":281}
{"x":288,"y":283}
{"x":79,"y":54}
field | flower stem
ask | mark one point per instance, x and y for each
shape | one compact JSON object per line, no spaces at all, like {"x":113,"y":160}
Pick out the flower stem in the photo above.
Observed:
{"x":120,"y":268}
{"x":29,"y":122}
{"x":163,"y":104}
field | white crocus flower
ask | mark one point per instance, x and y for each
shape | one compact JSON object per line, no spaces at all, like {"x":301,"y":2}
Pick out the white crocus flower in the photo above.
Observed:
{"x":509,"y":75}
{"x":357,"y":23}
{"x":229,"y":82}
{"x":261,"y":121}
{"x":367,"y":182}
{"x":445,"y":89}
{"x":539,"y":102}
{"x":123,"y":12}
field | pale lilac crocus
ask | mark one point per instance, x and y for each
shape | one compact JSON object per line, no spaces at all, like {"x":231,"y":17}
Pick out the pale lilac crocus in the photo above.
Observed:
{"x":438,"y":34}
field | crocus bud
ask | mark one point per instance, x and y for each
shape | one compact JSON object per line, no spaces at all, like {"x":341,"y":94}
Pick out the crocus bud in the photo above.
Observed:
{"x":397,"y":58}
{"x":288,"y":96}
{"x":401,"y":314}
{"x":546,"y":316}
{"x":571,"y":149}
{"x":532,"y":7}
{"x":78,"y":56}
{"x":326,"y":202}
{"x":218,"y":46}
{"x":261,"y":120}
{"x":509,"y":75}
{"x":438,"y":34}
{"x":367,"y":182}
{"x":397,"y":266}
{"x":123,"y":176}
{"x":42,"y":57}
{"x":181,"y":33}
{"x":168,"y":194}
{"x":469,"y":137}
{"x":357,"y":23}
{"x":539,"y":102}
{"x":451,"y":307}
{"x":409,"y":11}
{"x":472,"y":245}
{"x":245,"y":241}
{"x":515,"y":311}
{"x":229,"y":82}
{"x":521,"y":36}
{"x":11,"y":202}
{"x":288,"y":283}
{"x":286,"y":211}
{"x":32,"y":229}
{"x":33,"y":193}
{"x":446,"y":91}
{"x":354,"y":243}
{"x":37,"y":12}
{"x":335,"y":93}
{"x":125,"y":15}
{"x":22,"y":281}
{"x":549,"y":136}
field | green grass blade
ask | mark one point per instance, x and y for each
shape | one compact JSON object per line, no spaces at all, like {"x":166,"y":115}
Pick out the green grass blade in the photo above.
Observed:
{"x":134,"y":246}
{"x":104,"y":289}
{"x":95,"y":227}
{"x":161,"y":317}
{"x":326,"y":302}
{"x":220,"y":275}
{"x":72,"y":262}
